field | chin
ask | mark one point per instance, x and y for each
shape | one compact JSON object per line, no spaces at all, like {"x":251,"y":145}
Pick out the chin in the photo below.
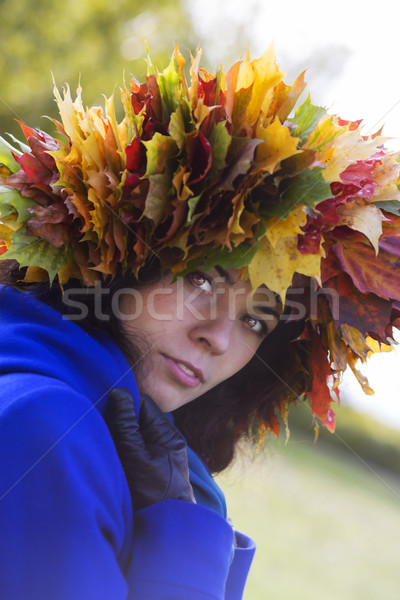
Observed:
{"x":167,"y":400}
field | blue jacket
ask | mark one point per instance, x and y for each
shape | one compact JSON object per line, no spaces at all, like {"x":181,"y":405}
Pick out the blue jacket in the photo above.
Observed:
{"x":67,"y":530}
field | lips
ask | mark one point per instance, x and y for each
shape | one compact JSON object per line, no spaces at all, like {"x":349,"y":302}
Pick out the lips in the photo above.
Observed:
{"x":184,"y":372}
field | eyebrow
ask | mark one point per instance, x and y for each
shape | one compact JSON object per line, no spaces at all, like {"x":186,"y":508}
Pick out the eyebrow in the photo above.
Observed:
{"x":224,"y":274}
{"x":268,"y":311}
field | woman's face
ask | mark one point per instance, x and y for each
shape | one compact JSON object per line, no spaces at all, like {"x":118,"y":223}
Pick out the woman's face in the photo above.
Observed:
{"x":201,"y":330}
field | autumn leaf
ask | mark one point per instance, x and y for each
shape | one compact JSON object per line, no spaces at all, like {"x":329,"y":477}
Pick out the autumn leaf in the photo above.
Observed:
{"x":159,"y":151}
{"x":275,"y":266}
{"x":349,"y":147}
{"x":157,"y":197}
{"x":366,"y":312}
{"x":369,"y":273}
{"x":6,"y":156}
{"x":278,"y":145}
{"x":262,"y":75}
{"x":306,"y":118}
{"x":356,"y":340}
{"x":364,"y":217}
{"x":307,"y":188}
{"x":219,"y":141}
{"x":29,"y":250}
{"x":320,"y":395}
{"x":285,"y":98}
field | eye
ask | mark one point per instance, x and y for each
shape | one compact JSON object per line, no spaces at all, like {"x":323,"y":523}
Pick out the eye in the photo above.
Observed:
{"x":256,"y":325}
{"x":201,"y":281}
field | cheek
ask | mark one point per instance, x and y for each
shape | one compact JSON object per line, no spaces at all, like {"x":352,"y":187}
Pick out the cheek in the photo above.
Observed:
{"x":239,"y":359}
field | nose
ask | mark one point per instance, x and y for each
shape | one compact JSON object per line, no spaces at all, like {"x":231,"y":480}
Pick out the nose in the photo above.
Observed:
{"x":216,"y":334}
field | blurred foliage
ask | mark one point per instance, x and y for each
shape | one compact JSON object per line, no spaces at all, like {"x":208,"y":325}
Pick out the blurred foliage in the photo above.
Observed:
{"x":94,"y":41}
{"x":357,"y":436}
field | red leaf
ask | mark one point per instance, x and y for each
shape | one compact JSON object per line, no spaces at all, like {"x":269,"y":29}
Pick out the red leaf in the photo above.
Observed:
{"x":358,"y":172}
{"x":366,"y":312}
{"x":34,"y":170}
{"x":370,"y":273}
{"x":39,"y":135}
{"x":320,"y":394}
{"x":136,"y":156}
{"x":199,"y":156}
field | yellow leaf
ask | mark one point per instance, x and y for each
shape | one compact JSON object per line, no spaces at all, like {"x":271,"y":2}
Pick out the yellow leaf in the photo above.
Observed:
{"x":356,"y":340}
{"x":387,"y":193}
{"x":275,"y":266}
{"x":278,"y":145}
{"x":264,"y":74}
{"x":364,"y":217}
{"x":279,"y":228}
{"x":179,"y":181}
{"x":233,"y":223}
{"x":110,"y":112}
{"x":352,"y":359}
{"x":247,"y":220}
{"x":35,"y":275}
{"x":194,"y":81}
{"x":387,"y":171}
{"x":8,"y":225}
{"x":376,"y":346}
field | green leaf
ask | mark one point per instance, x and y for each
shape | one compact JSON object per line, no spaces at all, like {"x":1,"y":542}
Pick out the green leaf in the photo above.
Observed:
{"x":181,"y":124}
{"x":306,"y":117}
{"x":390,"y":206}
{"x":157,"y":197}
{"x":12,"y":201}
{"x":160,"y":149}
{"x":236,"y":258}
{"x":169,"y":85}
{"x":192,"y":203}
{"x":6,"y":158}
{"x":31,"y":251}
{"x":219,"y":140}
{"x":23,"y":147}
{"x":309,"y":188}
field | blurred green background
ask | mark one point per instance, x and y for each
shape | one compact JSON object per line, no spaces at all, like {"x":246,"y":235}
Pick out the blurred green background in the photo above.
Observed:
{"x":326,"y":517}
{"x":93,"y":41}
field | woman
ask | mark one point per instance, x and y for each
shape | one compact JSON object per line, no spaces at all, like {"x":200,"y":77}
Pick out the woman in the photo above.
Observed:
{"x":164,"y":265}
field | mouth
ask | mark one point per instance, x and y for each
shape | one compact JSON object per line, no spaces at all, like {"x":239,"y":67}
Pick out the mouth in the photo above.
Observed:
{"x":184,"y":372}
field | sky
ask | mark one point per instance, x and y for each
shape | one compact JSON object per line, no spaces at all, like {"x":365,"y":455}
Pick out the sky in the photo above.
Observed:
{"x":350,"y":50}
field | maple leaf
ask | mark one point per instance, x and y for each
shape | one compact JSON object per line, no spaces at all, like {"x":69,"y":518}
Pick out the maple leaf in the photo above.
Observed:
{"x":275,"y":266}
{"x":28,"y":249}
{"x":306,"y":118}
{"x":219,"y":140}
{"x":262,"y":75}
{"x":278,"y":144}
{"x":7,"y":157}
{"x":307,"y":188}
{"x":320,"y":395}
{"x":11,"y":201}
{"x":157,"y":197}
{"x":285,"y":98}
{"x":159,"y":152}
{"x":352,"y":359}
{"x":356,"y":340}
{"x":369,"y":273}
{"x":365,"y":312}
{"x":239,"y":160}
{"x":349,"y":147}
{"x":364,"y":217}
